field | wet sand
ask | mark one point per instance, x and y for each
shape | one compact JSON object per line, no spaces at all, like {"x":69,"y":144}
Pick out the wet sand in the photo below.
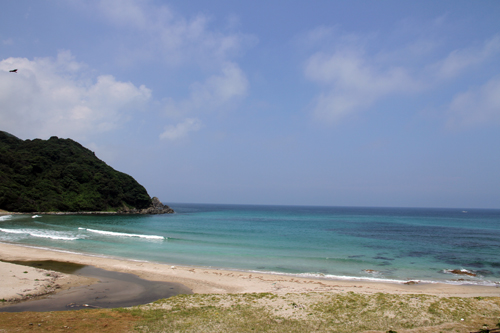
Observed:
{"x":218,"y":281}
{"x":104,"y":289}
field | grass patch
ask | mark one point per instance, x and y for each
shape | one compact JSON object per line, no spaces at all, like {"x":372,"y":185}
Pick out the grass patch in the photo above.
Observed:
{"x":318,"y":312}
{"x":91,"y":321}
{"x":210,"y":318}
{"x":266,"y":312}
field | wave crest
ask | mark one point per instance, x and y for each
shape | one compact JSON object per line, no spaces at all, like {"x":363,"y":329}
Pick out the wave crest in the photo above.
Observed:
{"x":123,"y":234}
{"x":39,"y":234}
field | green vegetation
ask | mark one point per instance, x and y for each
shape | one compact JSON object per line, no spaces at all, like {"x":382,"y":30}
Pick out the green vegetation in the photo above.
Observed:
{"x":266,"y":312}
{"x":316,"y":312}
{"x":62,"y":175}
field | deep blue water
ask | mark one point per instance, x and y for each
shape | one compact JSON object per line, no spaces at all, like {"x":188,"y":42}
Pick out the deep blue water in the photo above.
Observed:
{"x":333,"y":242}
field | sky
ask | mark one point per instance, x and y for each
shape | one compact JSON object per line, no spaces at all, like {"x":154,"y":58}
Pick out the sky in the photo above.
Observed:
{"x":389,"y":103}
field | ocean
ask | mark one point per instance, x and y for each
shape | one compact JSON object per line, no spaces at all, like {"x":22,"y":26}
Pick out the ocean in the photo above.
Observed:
{"x":377,"y":244}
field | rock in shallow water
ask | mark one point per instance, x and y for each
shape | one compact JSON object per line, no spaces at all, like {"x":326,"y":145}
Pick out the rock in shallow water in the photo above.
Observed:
{"x":156,"y":208}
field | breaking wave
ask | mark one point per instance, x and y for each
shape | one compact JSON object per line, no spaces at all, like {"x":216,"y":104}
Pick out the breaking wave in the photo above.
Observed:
{"x":40,"y":234}
{"x":123,"y":234}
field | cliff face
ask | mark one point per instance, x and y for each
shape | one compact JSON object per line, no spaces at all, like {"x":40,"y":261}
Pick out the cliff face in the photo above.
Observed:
{"x":62,"y":175}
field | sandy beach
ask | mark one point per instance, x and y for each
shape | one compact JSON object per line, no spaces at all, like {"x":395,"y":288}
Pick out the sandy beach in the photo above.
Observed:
{"x":18,"y":281}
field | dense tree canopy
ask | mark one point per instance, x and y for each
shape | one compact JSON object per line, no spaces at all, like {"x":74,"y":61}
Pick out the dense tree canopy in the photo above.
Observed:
{"x":62,"y":175}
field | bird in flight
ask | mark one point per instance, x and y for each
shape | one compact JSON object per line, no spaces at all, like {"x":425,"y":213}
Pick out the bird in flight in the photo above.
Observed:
{"x":13,"y":70}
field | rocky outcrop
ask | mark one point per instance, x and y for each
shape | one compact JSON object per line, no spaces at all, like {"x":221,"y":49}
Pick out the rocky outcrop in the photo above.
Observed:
{"x":460,"y":272}
{"x":156,"y":208}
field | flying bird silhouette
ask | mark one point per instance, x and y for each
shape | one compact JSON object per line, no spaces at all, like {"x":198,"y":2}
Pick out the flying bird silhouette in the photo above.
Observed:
{"x":13,"y":70}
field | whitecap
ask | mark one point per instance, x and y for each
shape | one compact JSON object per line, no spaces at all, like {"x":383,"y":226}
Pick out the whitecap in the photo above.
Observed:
{"x":40,"y":234}
{"x":51,"y":236}
{"x":123,"y":234}
{"x":5,"y":217}
{"x":14,"y":231}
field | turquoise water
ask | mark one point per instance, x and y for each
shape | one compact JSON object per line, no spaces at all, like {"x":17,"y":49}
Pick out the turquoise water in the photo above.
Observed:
{"x":332,"y":242}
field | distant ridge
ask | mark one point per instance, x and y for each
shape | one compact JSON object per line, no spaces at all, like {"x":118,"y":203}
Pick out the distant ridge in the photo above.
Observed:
{"x":60,"y":175}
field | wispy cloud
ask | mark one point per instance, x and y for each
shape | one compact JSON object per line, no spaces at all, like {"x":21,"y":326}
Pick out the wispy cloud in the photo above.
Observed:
{"x":354,"y":74}
{"x":153,"y":32}
{"x":57,"y":97}
{"x":181,"y":130}
{"x":352,"y":81}
{"x":475,"y":107}
{"x":462,"y":59}
{"x":150,"y":30}
{"x":217,"y":92}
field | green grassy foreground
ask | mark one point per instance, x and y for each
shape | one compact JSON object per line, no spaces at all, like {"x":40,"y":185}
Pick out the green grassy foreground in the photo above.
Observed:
{"x":317,"y":312}
{"x":309,"y":312}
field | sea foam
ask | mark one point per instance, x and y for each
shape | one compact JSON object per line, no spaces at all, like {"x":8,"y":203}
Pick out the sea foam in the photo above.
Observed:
{"x":37,"y":233}
{"x":123,"y":234}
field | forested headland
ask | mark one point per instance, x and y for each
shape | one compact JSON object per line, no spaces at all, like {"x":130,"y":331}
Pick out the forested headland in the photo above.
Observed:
{"x":60,"y":175}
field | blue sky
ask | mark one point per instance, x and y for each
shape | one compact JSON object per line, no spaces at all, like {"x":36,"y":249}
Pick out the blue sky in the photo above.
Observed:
{"x":341,"y":103}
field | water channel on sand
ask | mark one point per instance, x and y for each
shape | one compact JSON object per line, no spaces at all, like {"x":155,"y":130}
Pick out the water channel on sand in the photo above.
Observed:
{"x":113,"y":290}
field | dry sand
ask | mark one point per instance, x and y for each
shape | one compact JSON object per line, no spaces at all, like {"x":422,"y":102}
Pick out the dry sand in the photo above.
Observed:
{"x":21,"y":282}
{"x":198,"y":279}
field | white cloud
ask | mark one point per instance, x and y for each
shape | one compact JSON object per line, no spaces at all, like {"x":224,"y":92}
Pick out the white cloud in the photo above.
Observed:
{"x":165,"y":34}
{"x":477,"y":106}
{"x":55,"y":97}
{"x":216,"y":93}
{"x":181,"y":130}
{"x":352,"y":82}
{"x":125,"y":12}
{"x":218,"y":90}
{"x":356,"y":74}
{"x":152,"y":32}
{"x":462,"y":59}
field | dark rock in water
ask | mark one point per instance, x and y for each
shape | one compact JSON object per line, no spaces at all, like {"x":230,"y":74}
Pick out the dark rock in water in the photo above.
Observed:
{"x":156,"y":208}
{"x":371,"y":271}
{"x":411,"y":282}
{"x":461,"y":272}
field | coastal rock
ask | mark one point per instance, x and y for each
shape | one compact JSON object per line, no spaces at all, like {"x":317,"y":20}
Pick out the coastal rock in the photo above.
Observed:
{"x":461,"y":272}
{"x":371,"y":271}
{"x":156,"y":208}
{"x":411,"y":282}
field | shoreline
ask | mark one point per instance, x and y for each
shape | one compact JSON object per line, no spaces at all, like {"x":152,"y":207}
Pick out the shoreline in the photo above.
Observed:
{"x":5,"y":213}
{"x":203,"y":280}
{"x":156,"y":208}
{"x":456,"y":276}
{"x":22,"y":283}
